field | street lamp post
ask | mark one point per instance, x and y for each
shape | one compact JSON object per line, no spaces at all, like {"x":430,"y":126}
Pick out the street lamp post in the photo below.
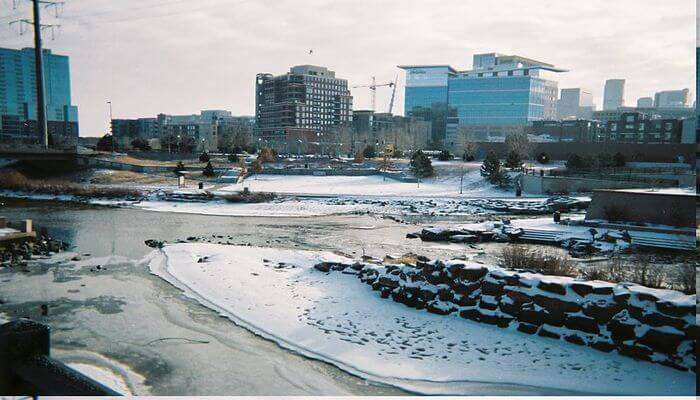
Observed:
{"x":111,"y":124}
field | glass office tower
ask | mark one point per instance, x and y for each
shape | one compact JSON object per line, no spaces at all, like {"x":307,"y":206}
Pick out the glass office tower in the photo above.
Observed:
{"x":499,"y":91}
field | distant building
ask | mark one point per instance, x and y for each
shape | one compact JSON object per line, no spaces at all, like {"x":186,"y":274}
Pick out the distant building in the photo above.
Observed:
{"x":196,"y":132}
{"x":654,"y":112}
{"x":18,"y":112}
{"x":575,"y":103}
{"x":576,"y":130}
{"x":645,"y":102}
{"x":303,"y":104}
{"x":672,"y":98}
{"x":636,"y":127}
{"x":385,"y":129}
{"x":499,"y":91}
{"x":614,"y":94}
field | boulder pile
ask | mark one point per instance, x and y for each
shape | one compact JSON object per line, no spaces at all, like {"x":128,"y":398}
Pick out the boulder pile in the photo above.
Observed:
{"x":18,"y":253}
{"x":649,"y":324}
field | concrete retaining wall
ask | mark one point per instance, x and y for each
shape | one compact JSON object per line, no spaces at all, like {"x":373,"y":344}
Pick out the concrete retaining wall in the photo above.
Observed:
{"x":535,"y":184}
{"x":643,"y":207}
{"x":656,"y":326}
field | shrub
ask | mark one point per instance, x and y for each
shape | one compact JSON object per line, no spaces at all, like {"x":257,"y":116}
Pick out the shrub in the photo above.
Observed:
{"x":444,"y":156}
{"x":645,"y":273}
{"x":267,"y":155}
{"x":369,"y":152}
{"x":249,"y":197}
{"x":619,"y":160}
{"x":208,"y":170}
{"x":105,"y":143}
{"x":204,"y":157}
{"x":359,"y":157}
{"x":397,"y":153}
{"x":685,"y":279}
{"x":233,"y":157}
{"x":140,"y":144}
{"x":13,"y":180}
{"x":616,"y":270}
{"x":543,"y":158}
{"x":520,"y":257}
{"x":513,"y":160}
{"x":179,"y":168}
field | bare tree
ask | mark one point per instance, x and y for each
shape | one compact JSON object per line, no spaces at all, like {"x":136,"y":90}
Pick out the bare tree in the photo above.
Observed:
{"x":519,"y":143}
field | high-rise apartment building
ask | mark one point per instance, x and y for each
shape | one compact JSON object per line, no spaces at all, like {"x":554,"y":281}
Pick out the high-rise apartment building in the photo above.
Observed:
{"x":575,"y":103}
{"x":672,"y":98}
{"x":304,"y":103}
{"x":614,"y":94}
{"x":18,"y":112}
{"x":499,"y":91}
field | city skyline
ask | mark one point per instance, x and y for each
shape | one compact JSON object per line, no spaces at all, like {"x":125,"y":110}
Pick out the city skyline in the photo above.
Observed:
{"x":212,"y":65}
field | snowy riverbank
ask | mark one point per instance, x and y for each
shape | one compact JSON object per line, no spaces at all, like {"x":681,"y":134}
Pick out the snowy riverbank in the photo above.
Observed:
{"x":336,"y":318}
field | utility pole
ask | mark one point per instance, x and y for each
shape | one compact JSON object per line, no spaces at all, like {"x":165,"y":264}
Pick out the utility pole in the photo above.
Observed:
{"x":39,"y":64}
{"x":111,"y":124}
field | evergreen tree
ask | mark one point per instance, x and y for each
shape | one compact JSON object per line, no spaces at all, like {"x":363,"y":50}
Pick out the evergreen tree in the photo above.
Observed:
{"x":233,"y":157}
{"x":619,"y":160}
{"x":369,"y":152}
{"x":421,"y":166}
{"x":204,"y":157}
{"x":493,"y":172}
{"x":513,"y":160}
{"x":208,"y":170}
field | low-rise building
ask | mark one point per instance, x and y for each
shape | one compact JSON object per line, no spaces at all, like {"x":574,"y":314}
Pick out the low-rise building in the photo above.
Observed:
{"x":636,"y":127}
{"x":577,"y":130}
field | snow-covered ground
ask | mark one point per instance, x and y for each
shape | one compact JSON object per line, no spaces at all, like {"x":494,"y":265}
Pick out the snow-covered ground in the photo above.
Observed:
{"x":104,"y":376}
{"x":448,"y":186}
{"x":334,"y":317}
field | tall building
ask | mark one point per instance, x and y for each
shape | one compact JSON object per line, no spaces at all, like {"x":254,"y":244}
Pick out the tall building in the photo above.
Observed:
{"x":614,"y":94}
{"x":303,"y":104}
{"x":499,"y":91}
{"x":645,"y":102}
{"x":575,"y":103}
{"x":18,"y":112}
{"x":672,"y":98}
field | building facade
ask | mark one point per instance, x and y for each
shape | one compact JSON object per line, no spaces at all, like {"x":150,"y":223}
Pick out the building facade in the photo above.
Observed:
{"x":499,"y":91}
{"x":570,"y":130}
{"x":645,"y":102}
{"x":18,"y":112}
{"x":613,"y":94}
{"x":575,"y":103}
{"x":636,"y":127}
{"x":308,"y":100}
{"x":672,"y":98}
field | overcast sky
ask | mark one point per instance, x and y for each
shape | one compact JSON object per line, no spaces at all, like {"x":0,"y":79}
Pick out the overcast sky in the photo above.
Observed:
{"x":178,"y":57}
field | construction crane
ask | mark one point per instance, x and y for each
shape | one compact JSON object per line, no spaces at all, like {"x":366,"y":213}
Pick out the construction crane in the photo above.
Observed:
{"x":373,"y":87}
{"x":393,"y":94}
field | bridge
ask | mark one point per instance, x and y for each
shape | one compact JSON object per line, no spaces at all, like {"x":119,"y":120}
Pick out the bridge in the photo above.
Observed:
{"x":30,"y":152}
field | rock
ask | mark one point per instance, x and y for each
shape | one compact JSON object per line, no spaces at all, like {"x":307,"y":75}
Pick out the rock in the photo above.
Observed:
{"x":580,"y":323}
{"x":581,"y":289}
{"x":491,"y":289}
{"x":665,"y":342}
{"x":464,"y":301}
{"x":464,"y":239}
{"x":437,"y":308}
{"x":471,"y":314}
{"x":675,"y":310}
{"x":472,"y":274}
{"x":544,"y":332}
{"x":601,"y":311}
{"x":655,"y":319}
{"x":510,"y":309}
{"x":411,"y":236}
{"x":527,"y":328}
{"x":427,"y":295}
{"x":531,"y":317}
{"x":518,"y":297}
{"x":606,"y":347}
{"x":552,"y":287}
{"x":638,"y":352}
{"x":554,"y":305}
{"x":487,"y":305}
{"x":575,"y":339}
{"x":464,"y":289}
{"x":621,"y":331}
{"x":387,"y":282}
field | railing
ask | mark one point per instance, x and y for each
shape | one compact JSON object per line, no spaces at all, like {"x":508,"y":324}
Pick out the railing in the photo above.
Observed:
{"x":26,"y":367}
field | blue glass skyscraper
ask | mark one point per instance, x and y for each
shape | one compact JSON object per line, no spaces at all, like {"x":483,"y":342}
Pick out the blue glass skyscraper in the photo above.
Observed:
{"x":18,"y":92}
{"x":499,"y":91}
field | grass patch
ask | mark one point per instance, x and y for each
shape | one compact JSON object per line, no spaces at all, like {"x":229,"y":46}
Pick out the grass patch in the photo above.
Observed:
{"x":249,"y":197}
{"x":16,"y":181}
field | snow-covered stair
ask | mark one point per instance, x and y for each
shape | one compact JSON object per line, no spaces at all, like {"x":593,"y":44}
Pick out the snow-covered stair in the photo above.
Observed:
{"x":539,"y":235}
{"x":665,"y":242}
